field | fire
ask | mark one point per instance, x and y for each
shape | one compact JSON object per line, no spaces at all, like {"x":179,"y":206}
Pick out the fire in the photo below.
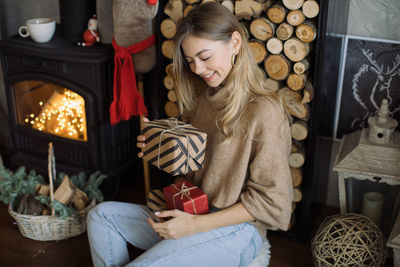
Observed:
{"x":63,"y":114}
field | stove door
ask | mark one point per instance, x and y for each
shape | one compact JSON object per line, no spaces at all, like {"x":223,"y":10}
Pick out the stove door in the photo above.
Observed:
{"x":45,"y":109}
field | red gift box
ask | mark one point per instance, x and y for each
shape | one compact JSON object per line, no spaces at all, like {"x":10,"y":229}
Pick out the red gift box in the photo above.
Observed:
{"x":186,"y":197}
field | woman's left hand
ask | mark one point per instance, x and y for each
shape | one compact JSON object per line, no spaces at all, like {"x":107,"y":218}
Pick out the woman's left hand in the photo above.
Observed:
{"x":181,"y":224}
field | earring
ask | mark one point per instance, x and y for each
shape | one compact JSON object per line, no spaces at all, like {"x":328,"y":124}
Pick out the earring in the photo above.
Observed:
{"x":233,"y":60}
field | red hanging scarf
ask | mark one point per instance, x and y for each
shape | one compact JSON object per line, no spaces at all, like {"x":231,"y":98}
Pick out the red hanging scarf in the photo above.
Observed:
{"x":127,"y":101}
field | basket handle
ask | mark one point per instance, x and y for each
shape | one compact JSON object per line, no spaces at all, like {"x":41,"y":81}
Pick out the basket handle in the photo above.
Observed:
{"x":52,"y":173}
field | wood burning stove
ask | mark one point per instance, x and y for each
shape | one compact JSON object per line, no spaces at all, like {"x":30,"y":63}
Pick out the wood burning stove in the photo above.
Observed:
{"x":59,"y":92}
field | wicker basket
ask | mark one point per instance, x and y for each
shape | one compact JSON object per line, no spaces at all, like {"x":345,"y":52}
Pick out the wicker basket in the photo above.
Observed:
{"x":50,"y":227}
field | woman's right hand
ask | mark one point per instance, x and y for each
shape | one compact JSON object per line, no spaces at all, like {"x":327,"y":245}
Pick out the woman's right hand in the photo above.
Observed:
{"x":141,"y":140}
{"x":140,"y":144}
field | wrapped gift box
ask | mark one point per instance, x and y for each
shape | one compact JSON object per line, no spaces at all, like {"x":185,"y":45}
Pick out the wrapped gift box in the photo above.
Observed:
{"x":186,"y":197}
{"x":174,"y":146}
{"x":156,"y":202}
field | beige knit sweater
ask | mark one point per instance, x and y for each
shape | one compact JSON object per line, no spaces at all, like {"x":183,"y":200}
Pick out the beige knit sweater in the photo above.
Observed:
{"x":253,"y":167}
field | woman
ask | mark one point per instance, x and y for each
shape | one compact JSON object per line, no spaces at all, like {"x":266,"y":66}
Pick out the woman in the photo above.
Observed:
{"x":246,"y":174}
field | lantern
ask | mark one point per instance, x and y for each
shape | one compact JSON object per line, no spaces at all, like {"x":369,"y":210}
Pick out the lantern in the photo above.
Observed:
{"x":368,"y":166}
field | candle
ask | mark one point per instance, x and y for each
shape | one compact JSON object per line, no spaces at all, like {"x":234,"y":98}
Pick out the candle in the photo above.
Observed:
{"x":372,"y":206}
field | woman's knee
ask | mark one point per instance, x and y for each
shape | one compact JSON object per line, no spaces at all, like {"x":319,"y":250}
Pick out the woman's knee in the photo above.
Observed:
{"x":99,"y":212}
{"x":108,"y":210}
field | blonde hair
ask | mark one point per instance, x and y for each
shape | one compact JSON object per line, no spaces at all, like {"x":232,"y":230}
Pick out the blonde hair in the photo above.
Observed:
{"x":213,"y":21}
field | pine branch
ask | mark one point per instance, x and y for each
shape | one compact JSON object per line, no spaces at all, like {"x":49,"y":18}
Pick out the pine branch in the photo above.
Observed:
{"x":14,"y":185}
{"x":58,"y":179}
{"x":79,"y":180}
{"x":45,"y":200}
{"x":63,"y":211}
{"x":32,"y":176}
{"x":92,"y":187}
{"x":60,"y":209}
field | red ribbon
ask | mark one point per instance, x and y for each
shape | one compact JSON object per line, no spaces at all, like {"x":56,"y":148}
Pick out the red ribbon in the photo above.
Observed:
{"x":127,"y":101}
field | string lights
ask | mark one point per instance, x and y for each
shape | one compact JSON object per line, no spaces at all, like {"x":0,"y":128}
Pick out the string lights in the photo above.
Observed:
{"x":62,"y":114}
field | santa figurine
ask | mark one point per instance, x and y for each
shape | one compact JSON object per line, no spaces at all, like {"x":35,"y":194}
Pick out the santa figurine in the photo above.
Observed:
{"x":91,"y":35}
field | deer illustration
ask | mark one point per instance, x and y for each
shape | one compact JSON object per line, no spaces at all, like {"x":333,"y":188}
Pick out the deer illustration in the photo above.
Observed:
{"x":380,"y":90}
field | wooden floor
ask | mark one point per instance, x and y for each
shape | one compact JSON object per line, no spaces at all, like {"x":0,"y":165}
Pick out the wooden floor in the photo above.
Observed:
{"x":15,"y":250}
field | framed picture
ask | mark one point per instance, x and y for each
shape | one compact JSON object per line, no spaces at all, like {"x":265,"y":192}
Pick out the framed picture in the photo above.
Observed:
{"x":370,"y":72}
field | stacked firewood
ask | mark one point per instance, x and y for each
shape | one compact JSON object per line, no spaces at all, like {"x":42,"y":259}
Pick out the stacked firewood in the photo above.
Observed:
{"x":67,"y":194}
{"x":281,"y":35}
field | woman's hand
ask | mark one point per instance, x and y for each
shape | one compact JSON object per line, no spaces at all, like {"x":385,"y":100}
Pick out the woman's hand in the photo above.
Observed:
{"x":181,"y":224}
{"x":141,"y":138}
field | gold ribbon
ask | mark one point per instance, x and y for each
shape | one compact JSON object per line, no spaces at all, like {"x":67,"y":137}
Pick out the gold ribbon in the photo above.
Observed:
{"x":174,"y":127}
{"x":184,"y":192}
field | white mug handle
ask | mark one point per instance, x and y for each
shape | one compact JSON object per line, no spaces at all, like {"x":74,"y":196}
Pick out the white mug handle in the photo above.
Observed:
{"x":26,"y":34}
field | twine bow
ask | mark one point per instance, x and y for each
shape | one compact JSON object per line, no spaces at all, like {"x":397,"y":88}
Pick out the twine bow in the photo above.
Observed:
{"x":173,"y":126}
{"x":184,"y":191}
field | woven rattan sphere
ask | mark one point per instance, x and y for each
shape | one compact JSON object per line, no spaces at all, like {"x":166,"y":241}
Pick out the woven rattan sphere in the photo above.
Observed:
{"x":348,"y":240}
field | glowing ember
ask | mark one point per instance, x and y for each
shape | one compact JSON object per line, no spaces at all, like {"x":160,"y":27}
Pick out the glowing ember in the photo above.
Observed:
{"x":62,"y":114}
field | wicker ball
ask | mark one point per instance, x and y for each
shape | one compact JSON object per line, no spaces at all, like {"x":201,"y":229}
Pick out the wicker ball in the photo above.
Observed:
{"x":348,"y":240}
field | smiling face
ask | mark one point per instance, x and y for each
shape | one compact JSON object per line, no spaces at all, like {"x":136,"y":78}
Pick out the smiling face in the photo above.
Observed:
{"x":211,"y":60}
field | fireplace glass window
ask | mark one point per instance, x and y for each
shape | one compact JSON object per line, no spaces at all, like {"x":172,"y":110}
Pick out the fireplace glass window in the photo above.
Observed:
{"x":51,"y":108}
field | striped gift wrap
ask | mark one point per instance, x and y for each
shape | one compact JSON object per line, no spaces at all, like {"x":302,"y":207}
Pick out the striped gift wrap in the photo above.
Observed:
{"x":156,"y":202}
{"x":174,"y":146}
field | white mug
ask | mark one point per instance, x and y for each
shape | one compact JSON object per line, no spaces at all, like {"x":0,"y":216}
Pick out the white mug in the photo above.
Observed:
{"x":41,"y":30}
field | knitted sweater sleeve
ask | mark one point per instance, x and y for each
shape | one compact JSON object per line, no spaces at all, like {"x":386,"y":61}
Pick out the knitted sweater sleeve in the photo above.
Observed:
{"x":268,"y":191}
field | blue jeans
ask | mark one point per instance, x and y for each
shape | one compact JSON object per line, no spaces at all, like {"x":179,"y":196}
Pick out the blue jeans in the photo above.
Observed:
{"x":112,"y":224}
